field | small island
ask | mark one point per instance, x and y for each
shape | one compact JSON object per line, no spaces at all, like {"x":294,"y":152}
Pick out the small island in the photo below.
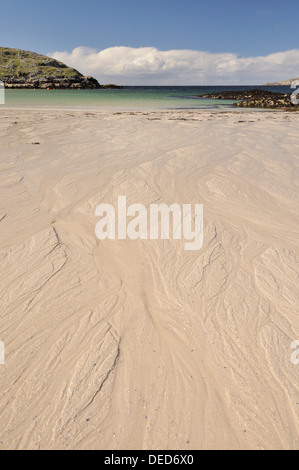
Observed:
{"x":28,"y":70}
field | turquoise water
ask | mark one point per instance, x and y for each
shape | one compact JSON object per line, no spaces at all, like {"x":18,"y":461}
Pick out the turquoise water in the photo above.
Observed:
{"x":127,"y":98}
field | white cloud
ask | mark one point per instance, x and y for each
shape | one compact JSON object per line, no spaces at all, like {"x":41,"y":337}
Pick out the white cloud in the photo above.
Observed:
{"x":149,"y":66}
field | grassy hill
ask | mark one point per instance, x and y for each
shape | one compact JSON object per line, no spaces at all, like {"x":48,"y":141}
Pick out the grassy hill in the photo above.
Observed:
{"x":25,"y":69}
{"x":18,"y":63}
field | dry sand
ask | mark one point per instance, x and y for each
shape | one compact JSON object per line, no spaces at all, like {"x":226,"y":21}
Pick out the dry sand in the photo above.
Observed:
{"x":141,"y":344}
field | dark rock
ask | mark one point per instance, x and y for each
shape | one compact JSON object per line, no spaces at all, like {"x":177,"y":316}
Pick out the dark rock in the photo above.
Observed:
{"x":80,"y":82}
{"x":112,"y":86}
{"x":254,"y":98}
{"x":32,"y":82}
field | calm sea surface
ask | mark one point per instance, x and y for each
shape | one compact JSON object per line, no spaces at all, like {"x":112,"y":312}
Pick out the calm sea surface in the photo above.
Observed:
{"x":176,"y":97}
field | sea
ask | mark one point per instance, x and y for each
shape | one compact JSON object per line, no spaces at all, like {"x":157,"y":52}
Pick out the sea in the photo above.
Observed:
{"x":129,"y":98}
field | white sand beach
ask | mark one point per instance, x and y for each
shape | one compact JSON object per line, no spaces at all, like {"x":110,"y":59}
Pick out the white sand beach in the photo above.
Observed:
{"x":141,"y":344}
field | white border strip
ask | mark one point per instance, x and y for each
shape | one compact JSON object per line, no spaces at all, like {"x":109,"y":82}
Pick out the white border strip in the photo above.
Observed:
{"x":2,"y":93}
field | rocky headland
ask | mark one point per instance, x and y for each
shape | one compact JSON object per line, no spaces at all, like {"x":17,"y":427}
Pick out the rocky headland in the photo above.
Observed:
{"x":283,"y":83}
{"x":29,"y":70}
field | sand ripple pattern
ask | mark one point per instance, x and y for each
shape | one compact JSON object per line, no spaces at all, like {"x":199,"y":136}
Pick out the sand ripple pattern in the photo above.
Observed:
{"x":142,"y":345}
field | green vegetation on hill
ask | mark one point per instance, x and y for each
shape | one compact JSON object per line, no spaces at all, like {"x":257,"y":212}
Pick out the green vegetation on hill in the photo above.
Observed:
{"x":24,"y":64}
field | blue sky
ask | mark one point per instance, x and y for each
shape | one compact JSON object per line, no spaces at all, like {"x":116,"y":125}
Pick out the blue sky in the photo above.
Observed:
{"x":247,"y":29}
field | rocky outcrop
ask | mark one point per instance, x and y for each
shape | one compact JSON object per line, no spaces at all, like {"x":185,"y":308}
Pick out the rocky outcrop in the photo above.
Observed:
{"x":50,"y":83}
{"x":25,"y":69}
{"x":254,"y":98}
{"x":111,"y":86}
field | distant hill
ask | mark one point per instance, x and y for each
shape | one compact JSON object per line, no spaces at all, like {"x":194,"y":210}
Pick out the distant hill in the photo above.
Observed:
{"x":284,"y":83}
{"x":25,"y":69}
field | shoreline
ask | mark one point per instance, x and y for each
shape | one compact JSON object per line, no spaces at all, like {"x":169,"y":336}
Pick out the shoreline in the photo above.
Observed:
{"x":116,"y":109}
